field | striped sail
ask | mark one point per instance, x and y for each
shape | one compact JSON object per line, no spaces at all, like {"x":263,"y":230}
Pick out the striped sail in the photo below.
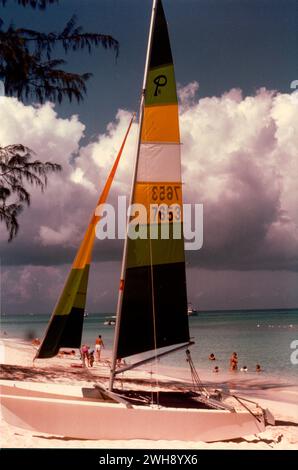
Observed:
{"x":154,"y":302}
{"x":66,"y":324}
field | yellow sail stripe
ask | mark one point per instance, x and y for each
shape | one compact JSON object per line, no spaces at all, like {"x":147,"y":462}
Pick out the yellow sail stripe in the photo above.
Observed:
{"x":161,"y":124}
{"x":157,"y":202}
{"x":158,"y":193}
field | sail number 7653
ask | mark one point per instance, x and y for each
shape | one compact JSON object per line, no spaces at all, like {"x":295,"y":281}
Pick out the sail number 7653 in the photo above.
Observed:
{"x":165,"y":192}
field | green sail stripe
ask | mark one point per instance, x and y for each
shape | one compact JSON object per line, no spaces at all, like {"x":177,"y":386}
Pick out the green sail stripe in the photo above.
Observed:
{"x":80,"y":298}
{"x":74,"y":292}
{"x":164,"y":251}
{"x":161,"y":86}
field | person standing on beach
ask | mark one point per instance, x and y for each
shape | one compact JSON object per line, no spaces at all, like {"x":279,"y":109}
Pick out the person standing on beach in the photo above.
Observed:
{"x":98,"y":347}
{"x":85,"y":355}
{"x":234,"y":362}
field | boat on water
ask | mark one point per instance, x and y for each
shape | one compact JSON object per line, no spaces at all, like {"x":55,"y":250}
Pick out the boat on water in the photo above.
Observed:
{"x":110,"y":321}
{"x":152,"y":310}
{"x":191,"y":311}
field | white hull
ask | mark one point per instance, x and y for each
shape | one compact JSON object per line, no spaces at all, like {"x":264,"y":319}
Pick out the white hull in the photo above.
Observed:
{"x":45,"y":409}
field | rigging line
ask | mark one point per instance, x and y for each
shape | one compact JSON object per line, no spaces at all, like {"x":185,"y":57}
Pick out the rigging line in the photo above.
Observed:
{"x":152,"y":358}
{"x":152,"y":294}
{"x":152,"y":285}
{"x":247,"y":408}
{"x":151,"y":383}
{"x":153,"y":21}
{"x":241,"y":400}
{"x":194,"y":374}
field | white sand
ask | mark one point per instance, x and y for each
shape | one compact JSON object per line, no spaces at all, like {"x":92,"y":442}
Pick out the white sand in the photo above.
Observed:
{"x":280,"y":397}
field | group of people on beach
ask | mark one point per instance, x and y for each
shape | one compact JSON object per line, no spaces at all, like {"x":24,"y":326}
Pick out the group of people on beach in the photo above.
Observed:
{"x":88,"y":356}
{"x":233,"y":364}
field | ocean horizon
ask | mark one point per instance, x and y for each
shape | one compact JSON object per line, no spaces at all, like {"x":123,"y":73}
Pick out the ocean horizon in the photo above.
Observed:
{"x":260,"y":336}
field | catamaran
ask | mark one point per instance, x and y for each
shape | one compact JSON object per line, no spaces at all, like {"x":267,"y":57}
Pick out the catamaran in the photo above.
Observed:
{"x":152,"y":314}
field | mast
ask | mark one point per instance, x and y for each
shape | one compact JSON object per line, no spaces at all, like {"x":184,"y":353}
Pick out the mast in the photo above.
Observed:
{"x":124,"y":259}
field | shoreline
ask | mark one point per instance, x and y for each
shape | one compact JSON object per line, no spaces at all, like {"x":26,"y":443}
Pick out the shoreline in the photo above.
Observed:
{"x":237,"y":379}
{"x":275,"y":393}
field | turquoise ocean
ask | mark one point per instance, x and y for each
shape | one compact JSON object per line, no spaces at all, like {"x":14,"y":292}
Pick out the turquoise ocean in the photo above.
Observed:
{"x":258,"y":336}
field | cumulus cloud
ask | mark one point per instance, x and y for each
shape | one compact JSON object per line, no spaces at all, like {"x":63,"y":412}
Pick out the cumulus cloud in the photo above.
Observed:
{"x":27,"y":285}
{"x":49,"y":237}
{"x":52,"y":139}
{"x":40,"y":128}
{"x":53,"y":226}
{"x":98,"y":157}
{"x":35,"y":289}
{"x":187,"y":95}
{"x":239,"y":159}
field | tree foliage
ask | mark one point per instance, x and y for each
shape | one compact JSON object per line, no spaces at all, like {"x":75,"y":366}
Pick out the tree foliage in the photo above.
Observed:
{"x":29,"y":71}
{"x":41,"y":4}
{"x":27,"y":66}
{"x":15,"y":170}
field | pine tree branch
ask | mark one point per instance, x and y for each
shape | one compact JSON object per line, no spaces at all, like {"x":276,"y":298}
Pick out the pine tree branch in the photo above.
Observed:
{"x":26,"y":73}
{"x":41,"y":4}
{"x":16,"y":170}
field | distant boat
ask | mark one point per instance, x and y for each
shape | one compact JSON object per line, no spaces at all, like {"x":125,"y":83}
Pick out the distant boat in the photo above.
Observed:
{"x":110,"y":321}
{"x":192,"y":312}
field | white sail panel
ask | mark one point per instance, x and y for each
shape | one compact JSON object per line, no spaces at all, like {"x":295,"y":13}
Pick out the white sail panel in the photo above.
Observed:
{"x":159,"y":162}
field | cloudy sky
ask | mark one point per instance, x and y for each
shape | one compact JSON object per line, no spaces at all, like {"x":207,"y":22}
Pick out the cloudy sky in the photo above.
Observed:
{"x":235,"y":61}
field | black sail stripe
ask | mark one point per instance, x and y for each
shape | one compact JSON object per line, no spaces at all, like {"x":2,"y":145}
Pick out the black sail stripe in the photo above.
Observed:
{"x":136,"y":328}
{"x":161,"y":53}
{"x":64,"y":331}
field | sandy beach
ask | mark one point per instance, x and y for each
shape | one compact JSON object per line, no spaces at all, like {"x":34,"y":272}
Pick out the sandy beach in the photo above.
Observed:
{"x":280,"y":396}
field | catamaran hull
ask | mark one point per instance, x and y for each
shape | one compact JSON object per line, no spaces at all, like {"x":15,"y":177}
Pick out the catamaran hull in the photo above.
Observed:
{"x":87,"y":419}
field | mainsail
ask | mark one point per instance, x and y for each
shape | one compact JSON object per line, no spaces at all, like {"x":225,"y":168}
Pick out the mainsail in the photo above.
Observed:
{"x":66,"y":324}
{"x":152,"y":305}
